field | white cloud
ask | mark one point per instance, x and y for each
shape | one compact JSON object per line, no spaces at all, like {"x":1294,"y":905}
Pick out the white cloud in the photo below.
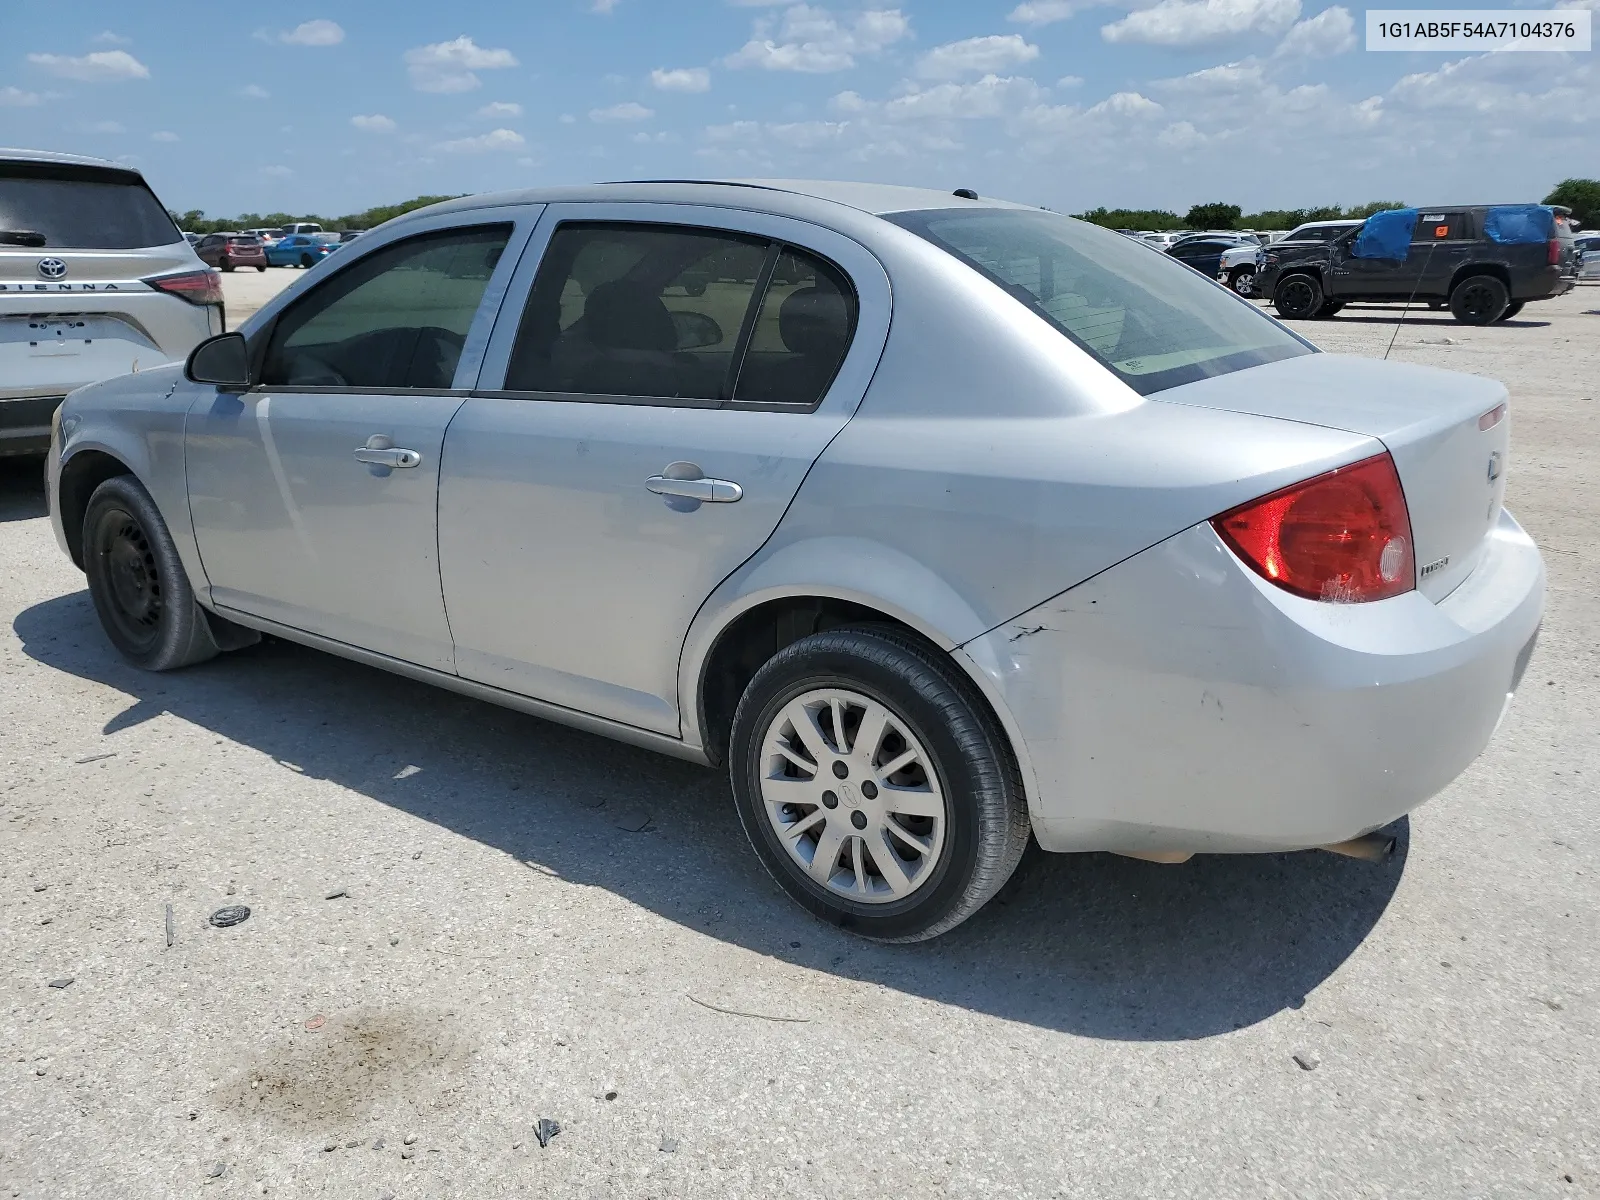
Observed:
{"x":314,"y":33}
{"x":814,"y":41}
{"x":373,"y":123}
{"x":1591,"y":5}
{"x":103,"y":66}
{"x":106,"y":38}
{"x":451,"y":66}
{"x":500,"y":108}
{"x":277,"y":171}
{"x":991,"y":96}
{"x":849,"y":102}
{"x":1124,"y":104}
{"x":164,"y":135}
{"x":1070,"y":81}
{"x":254,"y":91}
{"x":103,"y":127}
{"x":976,"y":56}
{"x":1227,"y":79}
{"x":1332,"y":31}
{"x":1506,"y":87}
{"x":1181,"y":136}
{"x":630,"y":111}
{"x":15,"y":97}
{"x":681,"y":79}
{"x":660,"y":138}
{"x":602,"y":7}
{"x":1195,"y":22}
{"x":495,"y":139}
{"x":1043,"y":12}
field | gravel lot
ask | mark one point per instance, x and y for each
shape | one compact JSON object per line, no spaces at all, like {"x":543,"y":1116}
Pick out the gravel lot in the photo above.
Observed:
{"x":528,"y":922}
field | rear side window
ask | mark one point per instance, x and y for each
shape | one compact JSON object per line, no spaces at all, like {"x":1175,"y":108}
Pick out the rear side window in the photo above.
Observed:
{"x":638,"y":311}
{"x":801,"y":334}
{"x":1439,"y":227}
{"x":82,"y":208}
{"x":395,"y":319}
{"x":1154,"y":322}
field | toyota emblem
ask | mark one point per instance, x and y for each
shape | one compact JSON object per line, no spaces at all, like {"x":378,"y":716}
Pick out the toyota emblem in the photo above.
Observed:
{"x":52,"y":268}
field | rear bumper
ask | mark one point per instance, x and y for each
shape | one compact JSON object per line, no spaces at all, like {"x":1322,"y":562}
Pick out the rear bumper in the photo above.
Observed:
{"x":1179,"y":702}
{"x":25,"y":424}
{"x":1543,"y":284}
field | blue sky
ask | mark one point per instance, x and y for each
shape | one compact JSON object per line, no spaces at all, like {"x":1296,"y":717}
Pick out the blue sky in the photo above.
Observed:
{"x":1067,"y":103}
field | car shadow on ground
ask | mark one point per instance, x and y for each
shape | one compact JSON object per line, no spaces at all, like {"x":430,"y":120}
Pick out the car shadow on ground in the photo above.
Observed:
{"x":1372,"y":315}
{"x":1090,"y":944}
{"x":22,"y":487}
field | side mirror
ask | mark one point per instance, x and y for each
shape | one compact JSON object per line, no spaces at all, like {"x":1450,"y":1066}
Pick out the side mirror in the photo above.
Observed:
{"x":223,"y":360}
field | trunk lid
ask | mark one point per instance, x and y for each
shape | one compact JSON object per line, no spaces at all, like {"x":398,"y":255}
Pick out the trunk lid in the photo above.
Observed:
{"x":1453,"y":471}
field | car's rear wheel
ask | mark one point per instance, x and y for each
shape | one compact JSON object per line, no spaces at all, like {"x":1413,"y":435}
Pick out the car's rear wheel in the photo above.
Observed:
{"x":307,"y":261}
{"x":1297,"y":298}
{"x":225,"y":263}
{"x":137,"y":581}
{"x":261,"y":267}
{"x":1243,"y":281}
{"x":1512,"y":310}
{"x":1479,"y":300}
{"x":875,"y":785}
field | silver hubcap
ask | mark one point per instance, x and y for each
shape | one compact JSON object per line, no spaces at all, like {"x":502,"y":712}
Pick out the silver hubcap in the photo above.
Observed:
{"x":1244,"y":282}
{"x":852,"y":795}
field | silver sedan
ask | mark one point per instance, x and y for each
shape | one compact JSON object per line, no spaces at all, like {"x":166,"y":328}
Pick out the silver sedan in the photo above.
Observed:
{"x":939,"y":521}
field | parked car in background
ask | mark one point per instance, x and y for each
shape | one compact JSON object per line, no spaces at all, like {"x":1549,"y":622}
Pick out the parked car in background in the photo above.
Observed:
{"x":350,"y":235}
{"x":297,"y":227}
{"x":192,"y":238}
{"x":1055,"y":538}
{"x":302,"y":249}
{"x":1458,"y":257}
{"x":1164,"y":238}
{"x":1317,"y":232}
{"x":1588,"y":256}
{"x":1240,"y":264}
{"x":1203,"y":251}
{"x":95,"y":280}
{"x":229,"y":250}
{"x":265,"y":236}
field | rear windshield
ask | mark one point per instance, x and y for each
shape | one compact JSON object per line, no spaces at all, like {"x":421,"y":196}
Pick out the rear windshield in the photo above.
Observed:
{"x":1154,"y":321}
{"x":83,"y":208}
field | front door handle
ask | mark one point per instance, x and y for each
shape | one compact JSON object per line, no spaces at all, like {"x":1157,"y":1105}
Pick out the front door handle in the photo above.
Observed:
{"x":686,"y":487}
{"x":380,"y":451}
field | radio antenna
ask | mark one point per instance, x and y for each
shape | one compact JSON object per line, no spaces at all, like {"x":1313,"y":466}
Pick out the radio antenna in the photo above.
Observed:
{"x":1421,"y":275}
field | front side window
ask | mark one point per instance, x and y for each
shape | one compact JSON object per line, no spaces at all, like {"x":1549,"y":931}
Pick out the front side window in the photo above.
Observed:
{"x":1155,"y":323}
{"x":396,"y":318}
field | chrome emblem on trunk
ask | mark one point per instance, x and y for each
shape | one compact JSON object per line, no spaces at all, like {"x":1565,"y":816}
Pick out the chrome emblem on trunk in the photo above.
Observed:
{"x":52,"y":268}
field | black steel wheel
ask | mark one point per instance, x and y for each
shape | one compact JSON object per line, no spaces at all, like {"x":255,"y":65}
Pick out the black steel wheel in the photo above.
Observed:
{"x":137,"y":581}
{"x":1512,"y":309}
{"x":1297,"y":298}
{"x":1479,"y":300}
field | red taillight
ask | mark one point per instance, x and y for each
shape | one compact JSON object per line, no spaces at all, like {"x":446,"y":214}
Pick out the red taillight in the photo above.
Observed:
{"x":1343,"y":537}
{"x":197,"y":287}
{"x":1554,"y":252}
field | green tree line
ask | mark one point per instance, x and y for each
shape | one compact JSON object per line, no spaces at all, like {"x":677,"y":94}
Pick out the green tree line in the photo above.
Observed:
{"x":196,"y":221}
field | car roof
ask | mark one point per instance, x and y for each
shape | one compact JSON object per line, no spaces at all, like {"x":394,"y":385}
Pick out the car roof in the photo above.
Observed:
{"x":16,"y":154}
{"x":878,"y":199}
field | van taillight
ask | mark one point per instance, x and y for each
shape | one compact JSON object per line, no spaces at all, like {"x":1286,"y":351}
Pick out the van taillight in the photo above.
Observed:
{"x":1554,"y":253}
{"x":197,"y":287}
{"x":1344,"y":536}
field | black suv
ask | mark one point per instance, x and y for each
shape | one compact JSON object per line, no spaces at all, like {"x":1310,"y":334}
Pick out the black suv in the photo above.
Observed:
{"x":1451,"y":261}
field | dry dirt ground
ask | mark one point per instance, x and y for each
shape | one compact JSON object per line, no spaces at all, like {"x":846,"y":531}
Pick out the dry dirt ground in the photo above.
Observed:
{"x":464,"y":920}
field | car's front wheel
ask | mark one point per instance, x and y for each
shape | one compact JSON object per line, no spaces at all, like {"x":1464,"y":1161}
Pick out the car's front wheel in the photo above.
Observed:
{"x":1512,"y":310}
{"x":875,"y":785}
{"x":1297,"y":298}
{"x":1243,"y":281}
{"x":137,"y":581}
{"x":307,"y":261}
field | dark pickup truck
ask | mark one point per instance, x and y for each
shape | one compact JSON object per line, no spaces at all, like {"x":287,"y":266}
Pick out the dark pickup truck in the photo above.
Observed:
{"x":1482,"y":261}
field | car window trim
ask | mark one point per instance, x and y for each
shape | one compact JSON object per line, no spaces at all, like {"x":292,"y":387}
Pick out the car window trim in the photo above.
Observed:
{"x":747,"y":328}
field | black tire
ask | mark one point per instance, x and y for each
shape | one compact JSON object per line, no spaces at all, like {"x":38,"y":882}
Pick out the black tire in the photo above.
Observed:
{"x":1512,"y":310}
{"x":986,"y":815}
{"x":1243,"y":281}
{"x":307,"y":261}
{"x":1297,"y":298}
{"x":261,"y":268}
{"x":1329,"y":309}
{"x":1479,"y":300}
{"x":1438,"y":305}
{"x":225,"y":263}
{"x":137,"y":581}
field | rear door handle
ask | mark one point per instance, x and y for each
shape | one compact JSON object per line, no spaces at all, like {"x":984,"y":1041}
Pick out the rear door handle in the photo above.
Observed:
{"x":391,"y":457}
{"x":707,"y":491}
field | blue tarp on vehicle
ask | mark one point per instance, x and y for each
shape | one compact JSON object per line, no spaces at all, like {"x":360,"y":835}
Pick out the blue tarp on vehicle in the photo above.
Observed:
{"x":1386,"y":235}
{"x":1519,"y":224}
